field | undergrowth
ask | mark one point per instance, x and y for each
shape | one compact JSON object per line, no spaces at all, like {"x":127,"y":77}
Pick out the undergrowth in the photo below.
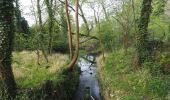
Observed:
{"x":45,"y":81}
{"x":29,"y":74}
{"x":120,"y":81}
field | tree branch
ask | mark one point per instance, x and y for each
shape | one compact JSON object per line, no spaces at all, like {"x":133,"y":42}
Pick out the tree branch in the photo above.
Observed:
{"x":69,"y":7}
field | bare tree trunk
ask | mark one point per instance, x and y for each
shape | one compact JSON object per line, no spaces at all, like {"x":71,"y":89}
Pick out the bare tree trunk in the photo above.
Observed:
{"x":134,"y":18}
{"x":38,"y":53}
{"x":104,"y":10}
{"x":72,"y":63}
{"x":84,"y":20}
{"x":8,"y":85}
{"x":82,"y":15}
{"x":69,"y":30}
{"x":41,"y":31}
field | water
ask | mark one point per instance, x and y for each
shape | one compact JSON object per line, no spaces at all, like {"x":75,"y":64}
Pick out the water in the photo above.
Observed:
{"x":88,"y":87}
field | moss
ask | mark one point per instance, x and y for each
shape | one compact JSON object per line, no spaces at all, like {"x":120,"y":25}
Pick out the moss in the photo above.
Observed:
{"x":6,"y":45}
{"x":142,"y":36}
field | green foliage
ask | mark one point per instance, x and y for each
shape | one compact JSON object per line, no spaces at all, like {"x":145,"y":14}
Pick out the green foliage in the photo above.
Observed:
{"x":155,"y":68}
{"x":30,"y":42}
{"x":162,"y":58}
{"x":121,"y":63}
{"x":22,"y":42}
{"x":121,"y":80}
{"x":60,"y":46}
{"x":106,"y":35}
{"x":159,"y":7}
{"x":158,"y":27}
{"x":83,"y":29}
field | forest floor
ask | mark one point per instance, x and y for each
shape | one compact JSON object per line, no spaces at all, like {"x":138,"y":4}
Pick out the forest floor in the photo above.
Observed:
{"x":32,"y":78}
{"x":120,"y":81}
{"x":28,"y":73}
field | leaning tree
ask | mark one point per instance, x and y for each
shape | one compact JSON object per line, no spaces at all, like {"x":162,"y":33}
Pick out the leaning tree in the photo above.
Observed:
{"x":75,"y":57}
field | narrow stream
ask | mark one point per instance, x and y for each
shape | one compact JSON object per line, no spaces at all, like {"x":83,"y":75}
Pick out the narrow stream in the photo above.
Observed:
{"x":88,"y":87}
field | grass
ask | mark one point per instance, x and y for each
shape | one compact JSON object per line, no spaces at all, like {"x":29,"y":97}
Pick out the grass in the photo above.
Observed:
{"x":119,"y":80}
{"x":31,"y":78}
{"x":29,"y":74}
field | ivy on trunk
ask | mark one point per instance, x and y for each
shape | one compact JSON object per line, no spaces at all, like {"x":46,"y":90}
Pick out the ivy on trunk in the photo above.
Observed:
{"x":7,"y":85}
{"x":142,"y":35}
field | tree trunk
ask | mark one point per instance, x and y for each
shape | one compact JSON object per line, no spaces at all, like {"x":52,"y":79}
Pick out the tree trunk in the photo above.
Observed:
{"x":18,"y":16}
{"x":41,"y":31}
{"x":49,"y":4}
{"x":69,"y":30}
{"x":142,"y":36}
{"x":8,"y":85}
{"x":72,"y":63}
{"x":104,"y":10}
{"x":36,"y":22}
{"x":84,"y":20}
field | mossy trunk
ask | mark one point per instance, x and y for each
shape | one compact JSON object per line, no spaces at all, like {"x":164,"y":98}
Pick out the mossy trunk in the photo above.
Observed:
{"x":142,"y":35}
{"x":18,"y":16}
{"x":49,"y":4}
{"x":8,"y":85}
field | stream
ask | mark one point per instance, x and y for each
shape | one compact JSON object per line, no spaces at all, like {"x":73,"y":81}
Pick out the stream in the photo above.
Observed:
{"x":88,"y":88}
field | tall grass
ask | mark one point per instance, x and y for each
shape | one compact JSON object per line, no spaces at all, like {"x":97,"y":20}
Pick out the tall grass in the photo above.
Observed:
{"x":29,"y":74}
{"x":119,"y":80}
{"x":47,"y":81}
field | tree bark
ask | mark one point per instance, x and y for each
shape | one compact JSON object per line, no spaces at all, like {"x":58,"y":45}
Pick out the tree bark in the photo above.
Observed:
{"x":69,"y":30}
{"x":36,"y":22}
{"x":8,"y":85}
{"x":142,"y":36}
{"x":104,"y":10}
{"x":49,"y":4}
{"x":82,"y":15}
{"x":41,"y":31}
{"x":84,"y":20}
{"x":18,"y":16}
{"x":72,"y":63}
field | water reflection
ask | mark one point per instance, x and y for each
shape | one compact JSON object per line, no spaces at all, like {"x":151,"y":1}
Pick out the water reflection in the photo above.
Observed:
{"x":88,"y":87}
